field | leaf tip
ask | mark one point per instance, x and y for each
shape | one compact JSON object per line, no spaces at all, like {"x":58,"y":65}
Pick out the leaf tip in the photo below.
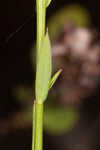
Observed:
{"x":54,"y":78}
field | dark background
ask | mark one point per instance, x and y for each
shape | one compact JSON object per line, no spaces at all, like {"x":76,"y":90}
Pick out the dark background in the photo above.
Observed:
{"x":15,"y":65}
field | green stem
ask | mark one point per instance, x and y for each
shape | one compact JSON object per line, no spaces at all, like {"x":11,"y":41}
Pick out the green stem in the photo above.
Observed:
{"x":39,"y":127}
{"x":37,"y":142}
{"x":41,"y":15}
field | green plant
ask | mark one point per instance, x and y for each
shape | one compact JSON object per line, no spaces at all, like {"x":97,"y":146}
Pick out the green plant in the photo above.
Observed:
{"x":43,"y":81}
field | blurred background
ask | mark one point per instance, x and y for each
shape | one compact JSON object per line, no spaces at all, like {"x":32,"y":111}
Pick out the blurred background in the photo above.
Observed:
{"x":72,"y":114}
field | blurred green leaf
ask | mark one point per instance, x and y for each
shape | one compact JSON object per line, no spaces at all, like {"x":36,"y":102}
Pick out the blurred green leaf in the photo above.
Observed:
{"x":60,"y":120}
{"x":23,"y":94}
{"x":44,"y":67}
{"x":75,"y":13}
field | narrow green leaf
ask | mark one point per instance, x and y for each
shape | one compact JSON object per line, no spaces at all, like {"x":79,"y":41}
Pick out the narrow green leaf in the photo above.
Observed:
{"x":54,"y":78}
{"x":47,"y":3}
{"x":43,"y":73}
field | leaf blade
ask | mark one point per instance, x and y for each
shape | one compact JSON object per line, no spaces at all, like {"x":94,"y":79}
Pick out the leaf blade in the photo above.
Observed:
{"x":54,"y":78}
{"x":44,"y":68}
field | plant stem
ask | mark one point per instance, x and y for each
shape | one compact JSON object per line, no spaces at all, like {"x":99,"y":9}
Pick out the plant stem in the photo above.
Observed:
{"x":41,"y":15}
{"x":39,"y":127}
{"x":42,"y":61}
{"x":37,"y":141}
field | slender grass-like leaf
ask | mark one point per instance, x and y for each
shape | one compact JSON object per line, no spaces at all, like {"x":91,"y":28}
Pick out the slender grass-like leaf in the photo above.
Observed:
{"x":44,"y":67}
{"x":54,"y":78}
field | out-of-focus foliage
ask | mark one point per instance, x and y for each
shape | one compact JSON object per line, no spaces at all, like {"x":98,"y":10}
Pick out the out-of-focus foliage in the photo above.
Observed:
{"x":60,"y":119}
{"x":75,"y":13}
{"x":23,"y":94}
